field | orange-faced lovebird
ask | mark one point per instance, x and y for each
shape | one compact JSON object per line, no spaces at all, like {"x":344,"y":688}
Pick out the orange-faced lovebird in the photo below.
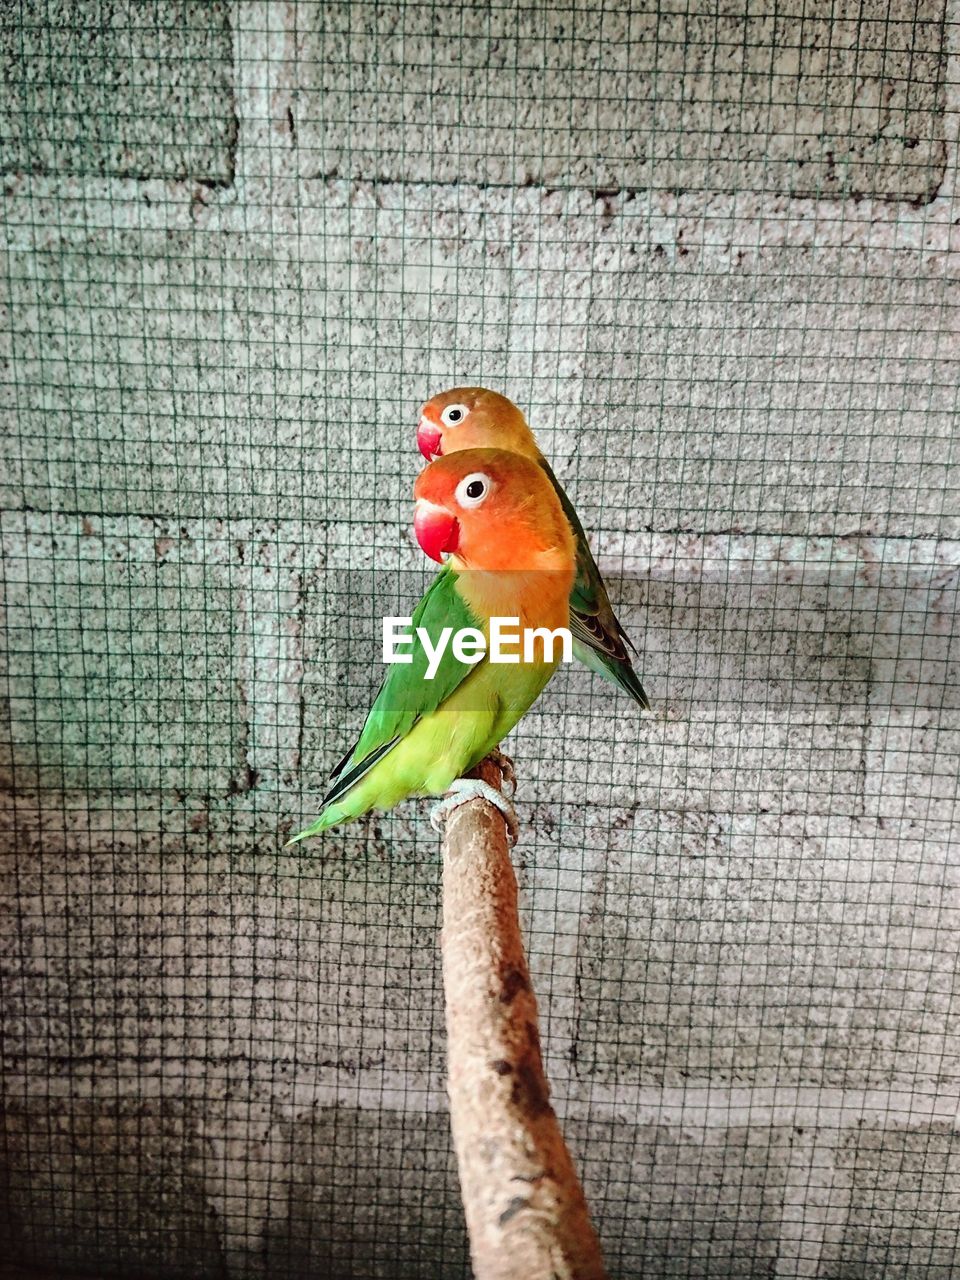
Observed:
{"x":511,"y":554}
{"x":474,"y":418}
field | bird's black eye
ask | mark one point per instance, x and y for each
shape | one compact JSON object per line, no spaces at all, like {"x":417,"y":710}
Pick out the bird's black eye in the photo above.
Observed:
{"x":454,"y":414}
{"x":473,"y":489}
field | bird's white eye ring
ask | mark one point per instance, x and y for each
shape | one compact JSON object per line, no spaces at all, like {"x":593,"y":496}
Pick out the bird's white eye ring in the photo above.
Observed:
{"x":473,"y":489}
{"x":454,"y":414}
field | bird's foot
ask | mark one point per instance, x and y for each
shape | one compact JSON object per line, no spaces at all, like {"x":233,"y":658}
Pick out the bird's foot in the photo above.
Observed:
{"x":466,"y":789}
{"x":508,"y":774}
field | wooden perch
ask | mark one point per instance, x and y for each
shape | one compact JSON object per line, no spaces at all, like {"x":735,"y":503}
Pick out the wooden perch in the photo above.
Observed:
{"x":525,"y":1210}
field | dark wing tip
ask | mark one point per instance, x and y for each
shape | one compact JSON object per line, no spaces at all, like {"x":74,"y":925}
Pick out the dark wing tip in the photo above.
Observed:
{"x":612,"y":652}
{"x":345,"y":781}
{"x":342,"y":763}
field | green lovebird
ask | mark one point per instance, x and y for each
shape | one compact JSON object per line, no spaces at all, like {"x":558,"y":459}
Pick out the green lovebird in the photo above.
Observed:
{"x":474,"y":418}
{"x":511,"y":554}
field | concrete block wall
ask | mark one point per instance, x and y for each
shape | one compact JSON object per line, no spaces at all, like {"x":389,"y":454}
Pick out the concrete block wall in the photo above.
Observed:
{"x":714,"y":252}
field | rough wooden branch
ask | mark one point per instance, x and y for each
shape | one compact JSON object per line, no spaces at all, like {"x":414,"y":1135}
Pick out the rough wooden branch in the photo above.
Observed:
{"x":525,"y":1210}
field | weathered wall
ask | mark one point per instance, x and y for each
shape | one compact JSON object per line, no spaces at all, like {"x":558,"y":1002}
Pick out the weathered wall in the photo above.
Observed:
{"x":715,"y":257}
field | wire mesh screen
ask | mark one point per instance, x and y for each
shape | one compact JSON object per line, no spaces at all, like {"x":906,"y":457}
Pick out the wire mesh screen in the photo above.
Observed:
{"x":711,"y":251}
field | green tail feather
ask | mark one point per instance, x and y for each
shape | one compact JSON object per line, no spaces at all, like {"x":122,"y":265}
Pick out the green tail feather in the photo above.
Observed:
{"x":331,"y":815}
{"x":621,"y":674}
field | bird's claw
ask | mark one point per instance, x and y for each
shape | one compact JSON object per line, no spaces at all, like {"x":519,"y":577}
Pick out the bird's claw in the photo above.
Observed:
{"x":466,"y":789}
{"x":508,"y":774}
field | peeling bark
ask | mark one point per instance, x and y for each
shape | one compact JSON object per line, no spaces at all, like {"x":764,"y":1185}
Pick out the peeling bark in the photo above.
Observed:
{"x":525,"y":1210}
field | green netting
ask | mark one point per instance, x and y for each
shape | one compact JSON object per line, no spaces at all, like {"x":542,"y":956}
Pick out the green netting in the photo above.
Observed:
{"x":711,"y":250}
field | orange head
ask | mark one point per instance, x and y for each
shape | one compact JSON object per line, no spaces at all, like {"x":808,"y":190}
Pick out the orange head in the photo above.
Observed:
{"x":492,"y":510}
{"x":473,"y":418}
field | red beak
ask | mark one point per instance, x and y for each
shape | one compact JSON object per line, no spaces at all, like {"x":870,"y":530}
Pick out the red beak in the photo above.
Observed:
{"x":429,"y":439}
{"x":436,"y":529}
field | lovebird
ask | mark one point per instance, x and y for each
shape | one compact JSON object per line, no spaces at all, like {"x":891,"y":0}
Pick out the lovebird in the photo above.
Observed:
{"x":511,"y":554}
{"x":473,"y":418}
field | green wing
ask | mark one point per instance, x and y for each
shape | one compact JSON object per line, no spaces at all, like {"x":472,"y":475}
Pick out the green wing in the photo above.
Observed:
{"x":406,"y":695}
{"x":599,"y":640}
